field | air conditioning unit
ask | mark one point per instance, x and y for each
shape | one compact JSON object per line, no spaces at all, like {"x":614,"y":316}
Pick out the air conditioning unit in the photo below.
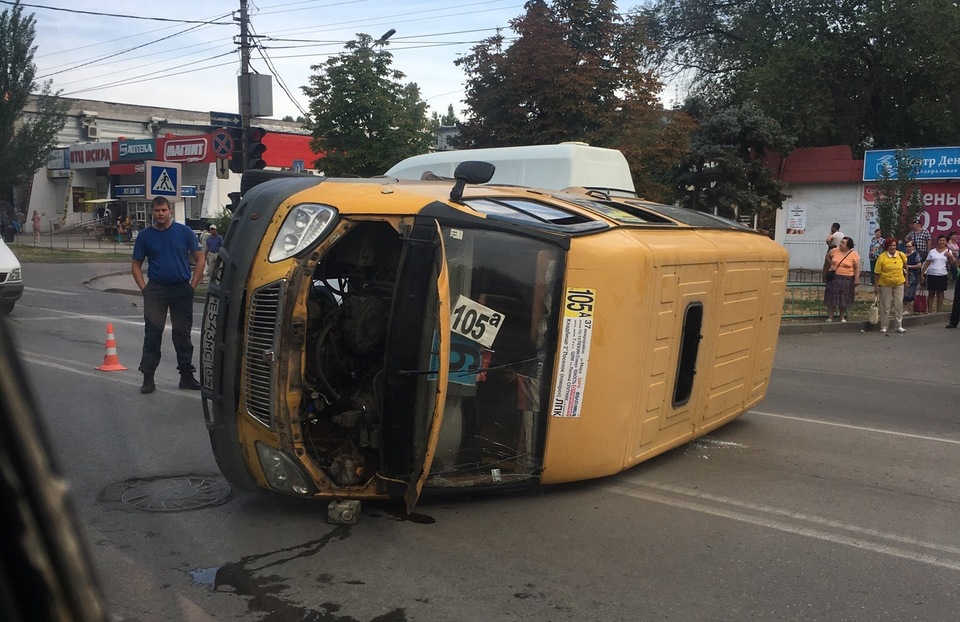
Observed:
{"x":93,"y":133}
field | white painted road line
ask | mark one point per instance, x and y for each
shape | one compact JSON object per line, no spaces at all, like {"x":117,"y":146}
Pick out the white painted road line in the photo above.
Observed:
{"x":50,"y":291}
{"x":935,"y":439}
{"x":770,"y":518}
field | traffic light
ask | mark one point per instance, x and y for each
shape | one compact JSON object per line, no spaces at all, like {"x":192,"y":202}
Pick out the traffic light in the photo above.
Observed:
{"x":236,"y":157}
{"x":255,"y":148}
{"x":235,"y":201}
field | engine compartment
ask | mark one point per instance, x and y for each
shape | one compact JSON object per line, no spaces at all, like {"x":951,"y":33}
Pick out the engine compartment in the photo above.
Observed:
{"x":348,"y":310}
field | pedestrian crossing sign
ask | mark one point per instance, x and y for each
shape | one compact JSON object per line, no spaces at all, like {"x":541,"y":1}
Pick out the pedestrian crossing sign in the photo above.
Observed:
{"x":163,"y":179}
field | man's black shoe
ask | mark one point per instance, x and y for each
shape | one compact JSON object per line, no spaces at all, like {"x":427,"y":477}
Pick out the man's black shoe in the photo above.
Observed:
{"x":951,"y":325}
{"x":187,"y":381}
{"x":148,"y":385}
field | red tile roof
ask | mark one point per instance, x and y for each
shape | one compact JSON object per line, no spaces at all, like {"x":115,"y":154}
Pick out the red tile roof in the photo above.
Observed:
{"x":817,"y":165}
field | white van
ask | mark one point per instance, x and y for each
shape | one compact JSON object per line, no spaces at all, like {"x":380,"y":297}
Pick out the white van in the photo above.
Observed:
{"x":11,"y":280}
{"x":551,"y":167}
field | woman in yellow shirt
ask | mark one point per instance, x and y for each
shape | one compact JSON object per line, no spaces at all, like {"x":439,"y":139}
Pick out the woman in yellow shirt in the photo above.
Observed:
{"x":891,"y":274}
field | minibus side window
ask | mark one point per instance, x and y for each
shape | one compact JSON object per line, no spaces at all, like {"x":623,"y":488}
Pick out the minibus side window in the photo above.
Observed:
{"x":689,"y":346}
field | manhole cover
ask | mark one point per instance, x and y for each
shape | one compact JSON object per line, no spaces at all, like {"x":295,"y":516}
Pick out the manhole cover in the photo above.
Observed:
{"x":176,"y":494}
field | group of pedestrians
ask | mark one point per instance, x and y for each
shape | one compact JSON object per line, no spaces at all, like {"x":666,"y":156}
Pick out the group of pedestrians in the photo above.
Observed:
{"x":897,"y":274}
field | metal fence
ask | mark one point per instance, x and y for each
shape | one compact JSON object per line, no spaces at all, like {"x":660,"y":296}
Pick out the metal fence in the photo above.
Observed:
{"x":804,"y":300}
{"x":75,"y":240}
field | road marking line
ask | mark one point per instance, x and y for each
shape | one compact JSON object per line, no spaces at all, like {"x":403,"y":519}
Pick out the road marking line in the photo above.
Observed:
{"x":788,"y":528}
{"x":858,"y":428}
{"x":133,"y":320}
{"x":82,"y":369}
{"x":50,"y":291}
{"x":810,"y":518}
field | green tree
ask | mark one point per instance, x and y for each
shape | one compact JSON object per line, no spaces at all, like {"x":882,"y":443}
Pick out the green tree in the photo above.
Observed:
{"x":447,"y":120}
{"x":724,"y":171}
{"x":857,"y":72}
{"x":898,"y":201}
{"x":362,"y":117}
{"x":24,"y":142}
{"x":577,"y":71}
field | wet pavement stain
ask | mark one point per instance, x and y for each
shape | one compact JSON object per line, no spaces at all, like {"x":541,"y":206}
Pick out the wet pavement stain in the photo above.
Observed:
{"x":413,"y":517}
{"x":243,"y":578}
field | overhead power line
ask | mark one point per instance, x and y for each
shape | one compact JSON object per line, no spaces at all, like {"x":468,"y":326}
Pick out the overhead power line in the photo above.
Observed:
{"x":103,"y":58}
{"x":276,"y":74}
{"x":101,"y":14}
{"x":166,"y":74}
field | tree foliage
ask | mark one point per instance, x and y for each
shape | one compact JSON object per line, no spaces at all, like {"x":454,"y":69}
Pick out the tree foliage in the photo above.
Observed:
{"x":24,"y":142}
{"x":856,"y":72}
{"x":577,"y":71}
{"x":362,"y":117}
{"x":898,"y":201}
{"x":449,"y":119}
{"x":724,"y":171}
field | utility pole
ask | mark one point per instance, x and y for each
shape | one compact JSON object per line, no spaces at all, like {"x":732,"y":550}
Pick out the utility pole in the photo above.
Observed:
{"x":245,"y":95}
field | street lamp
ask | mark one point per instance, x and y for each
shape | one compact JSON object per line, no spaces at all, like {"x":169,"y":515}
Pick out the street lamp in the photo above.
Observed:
{"x":383,"y":38}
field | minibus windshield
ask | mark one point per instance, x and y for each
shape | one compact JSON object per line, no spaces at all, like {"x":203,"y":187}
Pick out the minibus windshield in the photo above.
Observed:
{"x":503,"y":292}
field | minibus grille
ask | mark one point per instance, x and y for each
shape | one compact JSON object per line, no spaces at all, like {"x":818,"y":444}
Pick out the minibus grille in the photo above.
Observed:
{"x":262,"y":327}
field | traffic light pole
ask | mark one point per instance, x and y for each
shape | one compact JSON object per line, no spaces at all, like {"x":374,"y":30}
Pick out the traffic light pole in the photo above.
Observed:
{"x":245,"y":80}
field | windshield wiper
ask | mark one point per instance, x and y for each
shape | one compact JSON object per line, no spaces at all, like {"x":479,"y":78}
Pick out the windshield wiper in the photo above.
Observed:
{"x":469,"y":372}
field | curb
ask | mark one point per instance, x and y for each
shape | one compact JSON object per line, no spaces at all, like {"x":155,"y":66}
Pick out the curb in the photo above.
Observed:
{"x":98,"y":284}
{"x":121,"y":283}
{"x":862,"y":325}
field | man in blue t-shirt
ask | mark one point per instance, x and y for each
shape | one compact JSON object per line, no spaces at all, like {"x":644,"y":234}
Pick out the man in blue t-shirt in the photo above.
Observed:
{"x":167,"y":246}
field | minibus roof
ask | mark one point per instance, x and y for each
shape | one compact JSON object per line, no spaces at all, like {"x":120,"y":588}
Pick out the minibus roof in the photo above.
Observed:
{"x":551,"y":167}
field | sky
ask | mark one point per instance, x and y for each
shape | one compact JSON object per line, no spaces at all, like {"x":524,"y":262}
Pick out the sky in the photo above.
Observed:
{"x":89,"y":54}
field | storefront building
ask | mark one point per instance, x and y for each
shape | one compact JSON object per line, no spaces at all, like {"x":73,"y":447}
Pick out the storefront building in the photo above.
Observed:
{"x":827,"y":185}
{"x":101,"y":164}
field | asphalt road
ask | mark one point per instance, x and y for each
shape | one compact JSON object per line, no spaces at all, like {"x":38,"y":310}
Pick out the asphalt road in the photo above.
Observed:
{"x":838,"y":498}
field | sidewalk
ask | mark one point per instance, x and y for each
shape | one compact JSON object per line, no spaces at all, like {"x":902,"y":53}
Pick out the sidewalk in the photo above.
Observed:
{"x":859,"y":323}
{"x":793,"y":327}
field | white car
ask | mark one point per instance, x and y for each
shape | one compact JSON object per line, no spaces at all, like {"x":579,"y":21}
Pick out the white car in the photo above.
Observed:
{"x":11,"y":280}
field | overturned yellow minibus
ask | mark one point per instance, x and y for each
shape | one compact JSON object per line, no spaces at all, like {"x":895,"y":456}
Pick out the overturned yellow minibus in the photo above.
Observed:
{"x":375,"y":338}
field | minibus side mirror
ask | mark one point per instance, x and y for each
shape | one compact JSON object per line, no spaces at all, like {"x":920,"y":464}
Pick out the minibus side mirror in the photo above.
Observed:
{"x":470,"y":172}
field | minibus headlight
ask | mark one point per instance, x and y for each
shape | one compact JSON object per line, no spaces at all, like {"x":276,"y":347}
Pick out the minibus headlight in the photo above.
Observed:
{"x":304,"y":225}
{"x":282,"y":472}
{"x":14,"y":276}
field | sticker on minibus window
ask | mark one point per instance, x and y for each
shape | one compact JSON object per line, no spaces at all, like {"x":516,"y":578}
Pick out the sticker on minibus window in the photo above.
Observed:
{"x":468,"y":361}
{"x":474,"y":321}
{"x":575,"y":334}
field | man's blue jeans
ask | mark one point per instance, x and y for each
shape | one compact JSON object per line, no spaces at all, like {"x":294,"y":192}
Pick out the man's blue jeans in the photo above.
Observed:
{"x":157,"y":300}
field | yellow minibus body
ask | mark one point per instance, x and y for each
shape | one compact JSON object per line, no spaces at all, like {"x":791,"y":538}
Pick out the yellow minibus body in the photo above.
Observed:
{"x":373,"y":338}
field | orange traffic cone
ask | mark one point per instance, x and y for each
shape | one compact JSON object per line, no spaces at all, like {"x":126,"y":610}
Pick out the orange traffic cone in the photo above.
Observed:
{"x":111,"y":362}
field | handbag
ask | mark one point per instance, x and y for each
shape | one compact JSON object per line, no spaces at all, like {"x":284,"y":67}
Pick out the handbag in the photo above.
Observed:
{"x":832,"y":274}
{"x":873,"y":314}
{"x":920,"y":301}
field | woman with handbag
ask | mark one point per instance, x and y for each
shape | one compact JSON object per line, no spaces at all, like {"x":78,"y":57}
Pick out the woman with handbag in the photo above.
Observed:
{"x":890,"y":274}
{"x":842,"y":277}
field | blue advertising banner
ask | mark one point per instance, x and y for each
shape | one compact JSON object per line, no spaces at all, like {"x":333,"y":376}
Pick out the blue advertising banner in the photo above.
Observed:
{"x":935,"y":163}
{"x":188,"y":191}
